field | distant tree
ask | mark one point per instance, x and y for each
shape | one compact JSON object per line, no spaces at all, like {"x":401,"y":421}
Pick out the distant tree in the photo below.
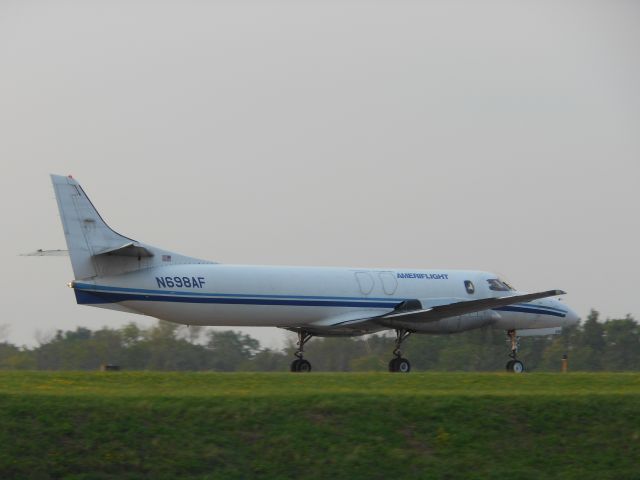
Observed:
{"x":592,"y":332}
{"x":160,"y":349}
{"x":532,"y":351}
{"x":333,"y":354}
{"x":594,"y":345}
{"x":368,"y":363}
{"x":14,"y":358}
{"x":266,"y":361}
{"x":591,"y":345}
{"x":192,"y":333}
{"x":107,"y":346}
{"x":552,"y":357}
{"x":622,"y":339}
{"x":131,"y":334}
{"x":229,"y":349}
{"x":375,"y":355}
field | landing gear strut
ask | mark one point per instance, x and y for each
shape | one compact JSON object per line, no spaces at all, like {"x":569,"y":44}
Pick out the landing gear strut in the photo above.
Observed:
{"x":514,"y":365}
{"x":300,"y":364}
{"x":399,"y":364}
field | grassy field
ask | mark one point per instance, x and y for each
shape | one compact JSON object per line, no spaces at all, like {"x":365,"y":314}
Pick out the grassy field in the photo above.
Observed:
{"x":338,"y":426}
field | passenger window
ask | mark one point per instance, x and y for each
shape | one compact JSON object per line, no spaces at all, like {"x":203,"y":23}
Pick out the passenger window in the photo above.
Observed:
{"x":468,"y":285}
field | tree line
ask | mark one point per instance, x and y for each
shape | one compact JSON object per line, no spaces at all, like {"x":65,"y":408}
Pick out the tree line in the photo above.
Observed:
{"x":594,"y":345}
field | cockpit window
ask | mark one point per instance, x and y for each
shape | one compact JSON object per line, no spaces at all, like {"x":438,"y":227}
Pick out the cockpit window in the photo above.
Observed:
{"x":498,"y":285}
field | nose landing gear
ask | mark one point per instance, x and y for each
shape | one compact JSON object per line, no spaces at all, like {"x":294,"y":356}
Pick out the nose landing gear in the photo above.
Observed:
{"x":514,"y":365}
{"x":399,"y":364}
{"x":300,"y":364}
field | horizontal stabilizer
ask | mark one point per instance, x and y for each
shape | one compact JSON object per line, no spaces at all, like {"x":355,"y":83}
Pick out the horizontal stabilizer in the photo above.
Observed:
{"x":130,"y":249}
{"x":461,"y":308}
{"x":46,"y":253}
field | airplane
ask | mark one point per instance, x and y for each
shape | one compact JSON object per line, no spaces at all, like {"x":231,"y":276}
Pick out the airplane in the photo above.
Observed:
{"x":117,"y":272}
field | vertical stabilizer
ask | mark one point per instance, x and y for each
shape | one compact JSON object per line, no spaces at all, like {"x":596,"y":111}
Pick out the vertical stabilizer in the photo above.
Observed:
{"x":85,"y":231}
{"x":95,"y":249}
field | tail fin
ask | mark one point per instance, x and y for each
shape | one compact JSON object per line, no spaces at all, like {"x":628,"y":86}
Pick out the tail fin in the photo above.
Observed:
{"x":95,"y":249}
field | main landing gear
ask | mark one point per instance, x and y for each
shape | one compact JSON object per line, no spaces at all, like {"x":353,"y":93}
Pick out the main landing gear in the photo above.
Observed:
{"x":399,"y":364}
{"x":514,"y":365}
{"x":300,"y":364}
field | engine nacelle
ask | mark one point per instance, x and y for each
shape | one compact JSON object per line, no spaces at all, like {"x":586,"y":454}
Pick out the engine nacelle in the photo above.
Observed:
{"x":461,"y":323}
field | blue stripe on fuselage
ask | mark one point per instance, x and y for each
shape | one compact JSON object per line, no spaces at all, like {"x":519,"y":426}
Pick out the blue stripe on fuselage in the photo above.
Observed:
{"x":532,"y":309}
{"x":105,"y":288}
{"x":84,"y":297}
{"x":541,"y":307}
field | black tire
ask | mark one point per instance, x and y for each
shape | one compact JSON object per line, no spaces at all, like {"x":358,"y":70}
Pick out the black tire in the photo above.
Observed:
{"x":509,"y":366}
{"x":399,"y":365}
{"x":304,"y":366}
{"x":295,"y":365}
{"x":393,"y":365}
{"x":403,"y":365}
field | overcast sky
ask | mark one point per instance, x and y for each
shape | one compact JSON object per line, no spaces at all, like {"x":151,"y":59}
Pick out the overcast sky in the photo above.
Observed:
{"x":494,"y":135}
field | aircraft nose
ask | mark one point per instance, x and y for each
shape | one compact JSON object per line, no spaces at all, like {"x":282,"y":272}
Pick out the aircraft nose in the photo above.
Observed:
{"x":572,"y":317}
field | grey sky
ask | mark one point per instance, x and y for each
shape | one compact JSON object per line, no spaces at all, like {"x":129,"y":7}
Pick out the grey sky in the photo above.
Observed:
{"x":490,"y":135}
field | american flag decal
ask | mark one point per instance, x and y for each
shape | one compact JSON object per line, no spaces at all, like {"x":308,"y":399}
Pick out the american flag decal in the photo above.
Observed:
{"x":166,"y":258}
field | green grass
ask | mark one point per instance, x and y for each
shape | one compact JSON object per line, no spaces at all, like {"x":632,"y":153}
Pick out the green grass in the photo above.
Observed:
{"x":339,"y":426}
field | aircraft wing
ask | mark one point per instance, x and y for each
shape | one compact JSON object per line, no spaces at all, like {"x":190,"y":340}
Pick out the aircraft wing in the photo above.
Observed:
{"x":460,"y":308}
{"x":359,"y":322}
{"x":368,"y":321}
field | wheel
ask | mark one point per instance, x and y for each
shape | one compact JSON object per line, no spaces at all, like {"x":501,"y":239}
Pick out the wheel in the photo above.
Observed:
{"x":304,"y":366}
{"x":393,"y":365}
{"x":515,"y":366}
{"x":403,"y":365}
{"x":300,"y":365}
{"x":399,"y":364}
{"x":295,"y":365}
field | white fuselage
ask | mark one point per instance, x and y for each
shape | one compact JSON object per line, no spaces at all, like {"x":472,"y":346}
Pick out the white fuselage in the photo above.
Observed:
{"x":318,"y":297}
